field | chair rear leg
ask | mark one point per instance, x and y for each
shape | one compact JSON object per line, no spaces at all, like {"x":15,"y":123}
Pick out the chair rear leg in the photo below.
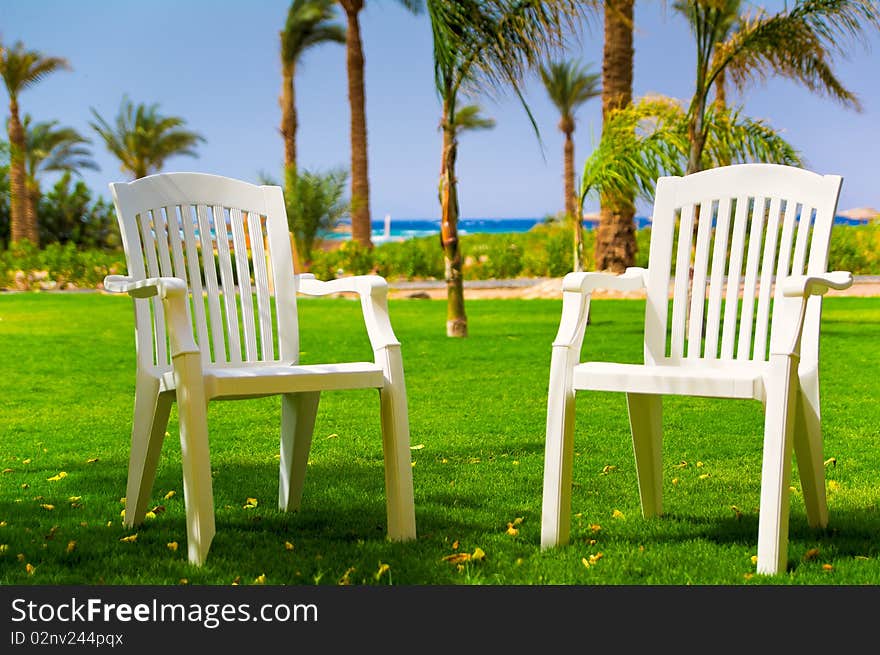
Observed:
{"x":645,"y":421}
{"x":298,"y":411}
{"x":558,"y":454}
{"x":192,"y":407}
{"x":808,"y":451}
{"x":400,"y":503}
{"x":151,"y":411}
{"x":779,"y":417}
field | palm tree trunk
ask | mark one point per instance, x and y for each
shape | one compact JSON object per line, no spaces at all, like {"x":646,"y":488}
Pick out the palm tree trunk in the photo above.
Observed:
{"x":456,"y":320}
{"x":33,"y":200}
{"x":288,"y":114}
{"x":568,"y":158}
{"x":360,"y":184}
{"x":616,"y":236}
{"x":572,"y":206}
{"x":20,"y":227}
{"x":697,"y":139}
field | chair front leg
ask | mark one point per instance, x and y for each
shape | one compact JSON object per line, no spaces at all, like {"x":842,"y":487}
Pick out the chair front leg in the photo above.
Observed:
{"x":559,"y":451}
{"x":395,"y":444}
{"x":298,"y":411}
{"x":192,"y":407}
{"x":779,"y":416}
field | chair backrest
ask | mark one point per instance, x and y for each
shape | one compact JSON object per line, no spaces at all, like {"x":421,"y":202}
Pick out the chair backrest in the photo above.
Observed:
{"x":729,"y":232}
{"x":229,"y":241}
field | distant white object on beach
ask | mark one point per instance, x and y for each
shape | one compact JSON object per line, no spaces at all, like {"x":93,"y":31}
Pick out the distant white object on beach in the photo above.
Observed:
{"x":387,"y":225}
{"x":860,"y":213}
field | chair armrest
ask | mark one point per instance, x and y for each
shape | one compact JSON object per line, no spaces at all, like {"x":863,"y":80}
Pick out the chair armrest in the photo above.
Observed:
{"x":173,"y":292}
{"x":146,"y":288}
{"x":373,"y":292}
{"x":632,"y":279}
{"x":576,"y":290}
{"x":816,"y":285}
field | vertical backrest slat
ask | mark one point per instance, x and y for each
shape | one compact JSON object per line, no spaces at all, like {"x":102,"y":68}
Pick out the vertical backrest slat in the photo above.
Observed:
{"x":698,"y":285}
{"x":215,"y":318}
{"x":281,"y":256}
{"x":756,"y":238}
{"x":734,"y":275}
{"x":768,"y":270}
{"x":178,"y":261}
{"x":783,"y":266}
{"x":243,"y":275}
{"x":148,"y":239}
{"x":188,"y":217}
{"x":716,"y":281}
{"x":227,"y":282}
{"x":682,"y":282}
{"x":805,"y":225}
{"x":660,"y":258}
{"x":261,"y":281}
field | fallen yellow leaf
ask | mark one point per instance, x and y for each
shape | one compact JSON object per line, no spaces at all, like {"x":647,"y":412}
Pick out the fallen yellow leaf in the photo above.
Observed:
{"x":30,"y":568}
{"x":3,"y":524}
{"x":250,"y":503}
{"x":736,"y":511}
{"x":288,"y":545}
{"x":91,"y":460}
{"x":8,"y":471}
{"x":169,"y":495}
{"x":345,"y":579}
{"x":383,"y":569}
{"x":3,"y":548}
{"x":47,"y":507}
{"x":20,"y":557}
{"x":674,"y":480}
{"x":478,"y":554}
{"x":130,"y":538}
{"x":55,"y":478}
{"x":260,"y":579}
{"x":682,"y":464}
{"x":74,"y":499}
{"x":834,"y":485}
{"x":236,"y":581}
{"x":827,"y":567}
{"x":182,"y":580}
{"x":754,"y":559}
{"x":617,"y":514}
{"x":26,"y":461}
{"x":172,"y":546}
{"x":607,"y":469}
{"x":457,"y":558}
{"x":704,"y":476}
{"x":595,"y":527}
{"x":71,"y":546}
{"x":811,"y":554}
{"x":831,"y":460}
{"x":512,"y":531}
{"x":417,"y":446}
{"x":699,"y":463}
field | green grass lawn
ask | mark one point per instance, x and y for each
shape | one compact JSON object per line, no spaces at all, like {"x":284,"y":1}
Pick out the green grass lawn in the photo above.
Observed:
{"x":477,"y":409}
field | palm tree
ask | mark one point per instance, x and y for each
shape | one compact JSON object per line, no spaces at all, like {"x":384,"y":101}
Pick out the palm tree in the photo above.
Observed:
{"x":478,"y":45}
{"x":21,"y":69}
{"x":569,"y":86}
{"x":649,"y":139}
{"x":615,"y":247}
{"x":51,"y":148}
{"x":798,"y":43}
{"x":142,"y":138}
{"x":360,"y":183}
{"x":308,"y":24}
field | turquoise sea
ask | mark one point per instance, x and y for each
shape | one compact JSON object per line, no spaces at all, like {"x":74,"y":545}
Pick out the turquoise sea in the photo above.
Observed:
{"x":399,"y":229}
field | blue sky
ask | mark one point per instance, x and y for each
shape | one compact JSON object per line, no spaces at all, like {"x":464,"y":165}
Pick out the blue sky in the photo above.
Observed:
{"x":215,"y":63}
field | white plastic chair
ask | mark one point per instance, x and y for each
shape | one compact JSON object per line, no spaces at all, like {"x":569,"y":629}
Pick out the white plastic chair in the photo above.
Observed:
{"x":772,"y":226}
{"x":229,"y":331}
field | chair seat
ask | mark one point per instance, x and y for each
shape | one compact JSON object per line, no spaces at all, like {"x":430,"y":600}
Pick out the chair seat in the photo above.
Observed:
{"x":263,"y":380}
{"x":728,"y":380}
